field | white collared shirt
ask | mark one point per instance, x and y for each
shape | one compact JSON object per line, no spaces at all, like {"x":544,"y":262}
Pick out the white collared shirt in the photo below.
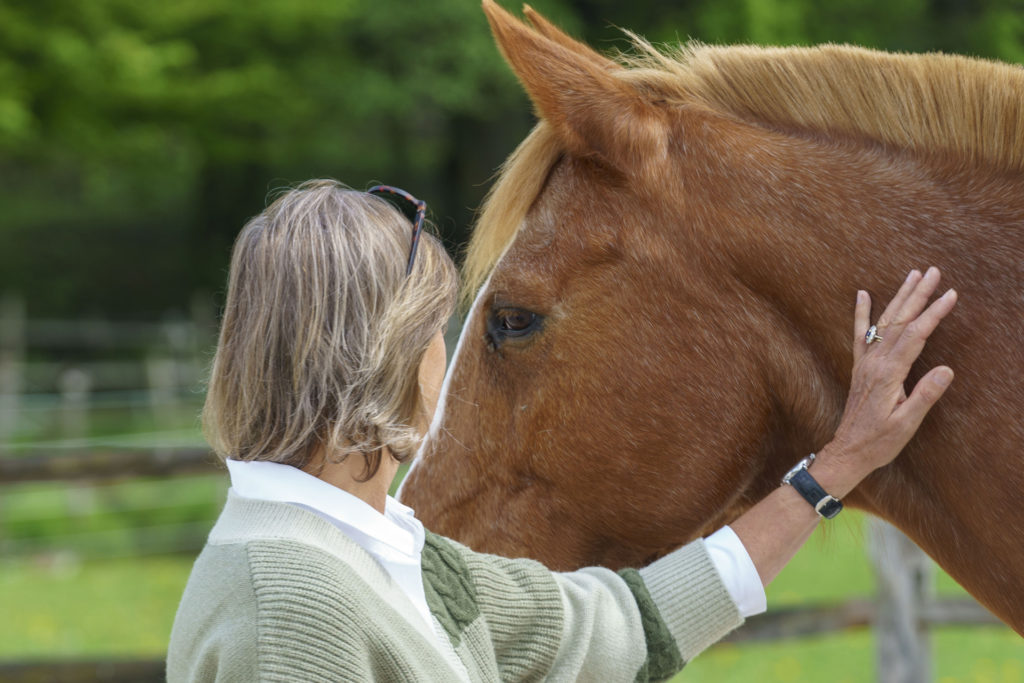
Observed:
{"x":395,"y":539}
{"x":737,"y":570}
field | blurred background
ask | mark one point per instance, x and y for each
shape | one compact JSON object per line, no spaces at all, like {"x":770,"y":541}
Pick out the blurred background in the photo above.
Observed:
{"x":136,"y":138}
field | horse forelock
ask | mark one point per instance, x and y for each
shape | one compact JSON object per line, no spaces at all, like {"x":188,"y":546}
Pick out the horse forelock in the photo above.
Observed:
{"x":520,"y":181}
{"x":970,"y":108}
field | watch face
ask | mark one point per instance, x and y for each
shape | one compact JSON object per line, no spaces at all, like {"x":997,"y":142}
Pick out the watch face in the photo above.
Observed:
{"x":802,"y":465}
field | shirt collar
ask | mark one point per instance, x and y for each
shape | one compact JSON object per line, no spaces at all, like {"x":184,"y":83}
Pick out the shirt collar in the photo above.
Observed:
{"x":397,"y":527}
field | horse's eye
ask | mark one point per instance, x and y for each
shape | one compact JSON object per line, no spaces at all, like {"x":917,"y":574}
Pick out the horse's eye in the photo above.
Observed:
{"x":506,"y":323}
{"x":515,"y":320}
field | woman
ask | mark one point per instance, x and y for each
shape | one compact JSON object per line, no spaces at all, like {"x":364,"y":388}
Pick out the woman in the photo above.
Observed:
{"x":327,"y":371}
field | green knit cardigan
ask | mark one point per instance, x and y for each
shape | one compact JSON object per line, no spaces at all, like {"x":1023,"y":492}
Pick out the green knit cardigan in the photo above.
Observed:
{"x":280,"y":594}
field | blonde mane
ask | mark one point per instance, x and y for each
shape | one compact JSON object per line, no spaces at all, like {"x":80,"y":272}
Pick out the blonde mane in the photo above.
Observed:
{"x":520,"y":180}
{"x":971,"y":109}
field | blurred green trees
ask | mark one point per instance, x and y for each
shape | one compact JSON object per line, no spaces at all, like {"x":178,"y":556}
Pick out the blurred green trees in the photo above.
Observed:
{"x":136,"y":138}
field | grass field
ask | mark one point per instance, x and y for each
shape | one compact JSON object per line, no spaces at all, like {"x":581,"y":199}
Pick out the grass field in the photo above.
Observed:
{"x":75,"y":604}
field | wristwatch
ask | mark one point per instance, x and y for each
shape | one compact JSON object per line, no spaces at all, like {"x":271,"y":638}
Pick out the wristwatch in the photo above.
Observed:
{"x":799,"y":478}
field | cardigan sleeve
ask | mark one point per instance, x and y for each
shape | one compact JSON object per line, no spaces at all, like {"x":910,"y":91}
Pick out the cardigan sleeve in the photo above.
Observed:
{"x":591,"y":624}
{"x":684,"y":599}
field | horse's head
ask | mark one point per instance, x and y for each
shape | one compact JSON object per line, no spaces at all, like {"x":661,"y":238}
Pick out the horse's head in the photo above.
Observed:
{"x":613,"y":381}
{"x":664,"y":278}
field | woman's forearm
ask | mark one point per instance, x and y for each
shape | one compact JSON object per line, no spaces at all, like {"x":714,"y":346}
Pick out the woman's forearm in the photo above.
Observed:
{"x":777,"y":527}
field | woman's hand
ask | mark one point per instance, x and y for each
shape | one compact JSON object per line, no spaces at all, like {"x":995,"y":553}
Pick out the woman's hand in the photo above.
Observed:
{"x":879,"y":417}
{"x":878,"y":421}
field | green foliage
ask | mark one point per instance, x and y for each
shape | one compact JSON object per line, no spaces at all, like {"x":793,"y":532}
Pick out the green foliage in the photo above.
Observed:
{"x":989,"y":29}
{"x":136,"y":138}
{"x":153,"y":88}
{"x":172,"y":121}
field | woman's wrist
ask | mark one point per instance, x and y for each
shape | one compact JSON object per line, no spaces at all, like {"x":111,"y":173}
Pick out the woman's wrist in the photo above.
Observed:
{"x":838,"y":471}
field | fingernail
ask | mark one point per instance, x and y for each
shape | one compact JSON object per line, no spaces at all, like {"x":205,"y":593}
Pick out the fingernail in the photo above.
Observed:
{"x":910,"y":275}
{"x":949,"y":293}
{"x":861,"y":294}
{"x":944,"y":378}
{"x":932,"y":269}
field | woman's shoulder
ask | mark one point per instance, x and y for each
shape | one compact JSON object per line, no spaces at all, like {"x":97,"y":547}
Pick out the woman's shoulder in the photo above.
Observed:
{"x":271,"y":585}
{"x":285,"y":547}
{"x":261,"y":575}
{"x":217,"y":608}
{"x":269,"y":555}
{"x":254,"y":609}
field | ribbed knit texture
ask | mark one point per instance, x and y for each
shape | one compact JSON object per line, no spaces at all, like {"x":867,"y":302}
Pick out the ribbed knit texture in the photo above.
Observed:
{"x":279,"y":594}
{"x":663,"y":656}
{"x":691,"y":598}
{"x":521,"y":606}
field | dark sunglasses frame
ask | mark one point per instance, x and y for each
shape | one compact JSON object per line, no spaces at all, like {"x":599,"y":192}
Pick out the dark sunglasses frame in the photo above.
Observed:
{"x":413,"y":209}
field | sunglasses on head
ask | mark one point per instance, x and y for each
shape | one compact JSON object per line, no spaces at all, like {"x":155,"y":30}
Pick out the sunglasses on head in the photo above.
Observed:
{"x":413,"y":209}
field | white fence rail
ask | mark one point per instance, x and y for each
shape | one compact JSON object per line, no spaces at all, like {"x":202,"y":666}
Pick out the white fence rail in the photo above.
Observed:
{"x":67,"y":370}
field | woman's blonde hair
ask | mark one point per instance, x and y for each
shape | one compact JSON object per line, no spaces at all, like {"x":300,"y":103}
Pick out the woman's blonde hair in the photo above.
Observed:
{"x":323,"y":333}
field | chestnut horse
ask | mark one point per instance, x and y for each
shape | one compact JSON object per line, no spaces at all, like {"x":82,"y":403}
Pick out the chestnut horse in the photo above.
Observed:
{"x":666,"y":271}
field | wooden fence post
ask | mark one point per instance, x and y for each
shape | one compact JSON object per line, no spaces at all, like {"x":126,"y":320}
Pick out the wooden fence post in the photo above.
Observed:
{"x":74,"y":385}
{"x":162,"y":379}
{"x":12,"y":349}
{"x":165,"y":367}
{"x":905,"y":576}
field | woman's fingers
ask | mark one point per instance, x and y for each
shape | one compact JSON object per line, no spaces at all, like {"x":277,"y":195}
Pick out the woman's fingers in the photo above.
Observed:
{"x":907,"y":321}
{"x":861,"y":320}
{"x":928,"y":390}
{"x":908,"y":303}
{"x":916,"y":301}
{"x":911,"y":322}
{"x":889,"y":314}
{"x":916,"y":332}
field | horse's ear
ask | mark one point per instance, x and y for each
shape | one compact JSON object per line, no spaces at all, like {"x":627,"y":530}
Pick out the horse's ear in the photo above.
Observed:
{"x":552,"y":32}
{"x":576,"y":91}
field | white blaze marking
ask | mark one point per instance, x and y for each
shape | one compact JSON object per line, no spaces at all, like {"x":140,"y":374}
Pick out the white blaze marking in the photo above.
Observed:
{"x":442,"y":400}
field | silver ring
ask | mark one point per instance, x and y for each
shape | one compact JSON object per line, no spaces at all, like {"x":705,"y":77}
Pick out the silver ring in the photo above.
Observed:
{"x":872,"y":335}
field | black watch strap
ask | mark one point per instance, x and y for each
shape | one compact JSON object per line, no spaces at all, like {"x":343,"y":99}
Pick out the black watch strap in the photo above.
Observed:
{"x":799,"y":478}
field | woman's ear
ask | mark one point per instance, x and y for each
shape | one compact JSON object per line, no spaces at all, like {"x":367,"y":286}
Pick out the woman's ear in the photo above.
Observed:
{"x":576,"y":90}
{"x":431,"y":376}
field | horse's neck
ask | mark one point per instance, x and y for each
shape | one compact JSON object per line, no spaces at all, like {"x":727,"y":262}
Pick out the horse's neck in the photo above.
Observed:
{"x":832,"y":221}
{"x":857,"y":222}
